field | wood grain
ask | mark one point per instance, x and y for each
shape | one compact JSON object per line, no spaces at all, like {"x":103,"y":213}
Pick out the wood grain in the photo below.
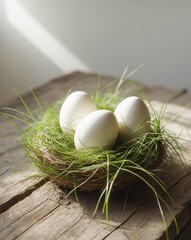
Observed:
{"x":44,"y":214}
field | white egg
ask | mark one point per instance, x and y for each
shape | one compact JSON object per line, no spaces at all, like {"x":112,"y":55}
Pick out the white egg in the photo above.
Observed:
{"x":133,"y":118}
{"x":75,"y":107}
{"x":98,"y":129}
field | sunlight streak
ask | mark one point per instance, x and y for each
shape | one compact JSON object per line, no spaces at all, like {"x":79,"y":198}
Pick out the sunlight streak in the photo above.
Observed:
{"x":42,"y":39}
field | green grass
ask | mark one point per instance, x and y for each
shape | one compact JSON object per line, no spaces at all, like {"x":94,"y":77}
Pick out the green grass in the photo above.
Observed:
{"x":127,"y":162}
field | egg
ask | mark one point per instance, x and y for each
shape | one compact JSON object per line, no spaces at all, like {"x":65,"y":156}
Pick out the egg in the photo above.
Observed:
{"x":98,"y":129}
{"x":133,"y":118}
{"x":75,"y":107}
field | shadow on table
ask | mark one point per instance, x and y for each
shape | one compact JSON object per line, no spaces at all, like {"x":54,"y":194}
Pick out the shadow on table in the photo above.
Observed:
{"x":125,"y":203}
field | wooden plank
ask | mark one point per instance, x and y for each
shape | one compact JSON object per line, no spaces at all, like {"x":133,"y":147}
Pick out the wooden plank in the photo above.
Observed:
{"x":16,"y":179}
{"x":45,"y":214}
{"x":47,"y":94}
{"x":186,"y":232}
{"x":58,"y":88}
{"x":21,"y":216}
{"x":9,"y":136}
{"x":72,"y":223}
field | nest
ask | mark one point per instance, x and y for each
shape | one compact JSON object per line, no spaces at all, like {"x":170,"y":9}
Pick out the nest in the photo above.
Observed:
{"x":126,"y":163}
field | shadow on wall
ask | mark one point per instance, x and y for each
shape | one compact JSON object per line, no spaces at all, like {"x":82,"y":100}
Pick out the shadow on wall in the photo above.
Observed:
{"x":31,"y":55}
{"x":99,"y":36}
{"x":41,"y":38}
{"x":106,"y":36}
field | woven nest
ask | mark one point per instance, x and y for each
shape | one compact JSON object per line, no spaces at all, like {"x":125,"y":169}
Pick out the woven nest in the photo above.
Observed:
{"x":126,"y":163}
{"x":88,"y":180}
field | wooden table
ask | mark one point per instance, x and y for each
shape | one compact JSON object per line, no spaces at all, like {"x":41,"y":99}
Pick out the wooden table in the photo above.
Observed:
{"x":34,"y":208}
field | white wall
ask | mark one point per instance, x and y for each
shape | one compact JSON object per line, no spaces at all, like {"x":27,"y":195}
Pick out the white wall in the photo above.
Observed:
{"x":43,"y":39}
